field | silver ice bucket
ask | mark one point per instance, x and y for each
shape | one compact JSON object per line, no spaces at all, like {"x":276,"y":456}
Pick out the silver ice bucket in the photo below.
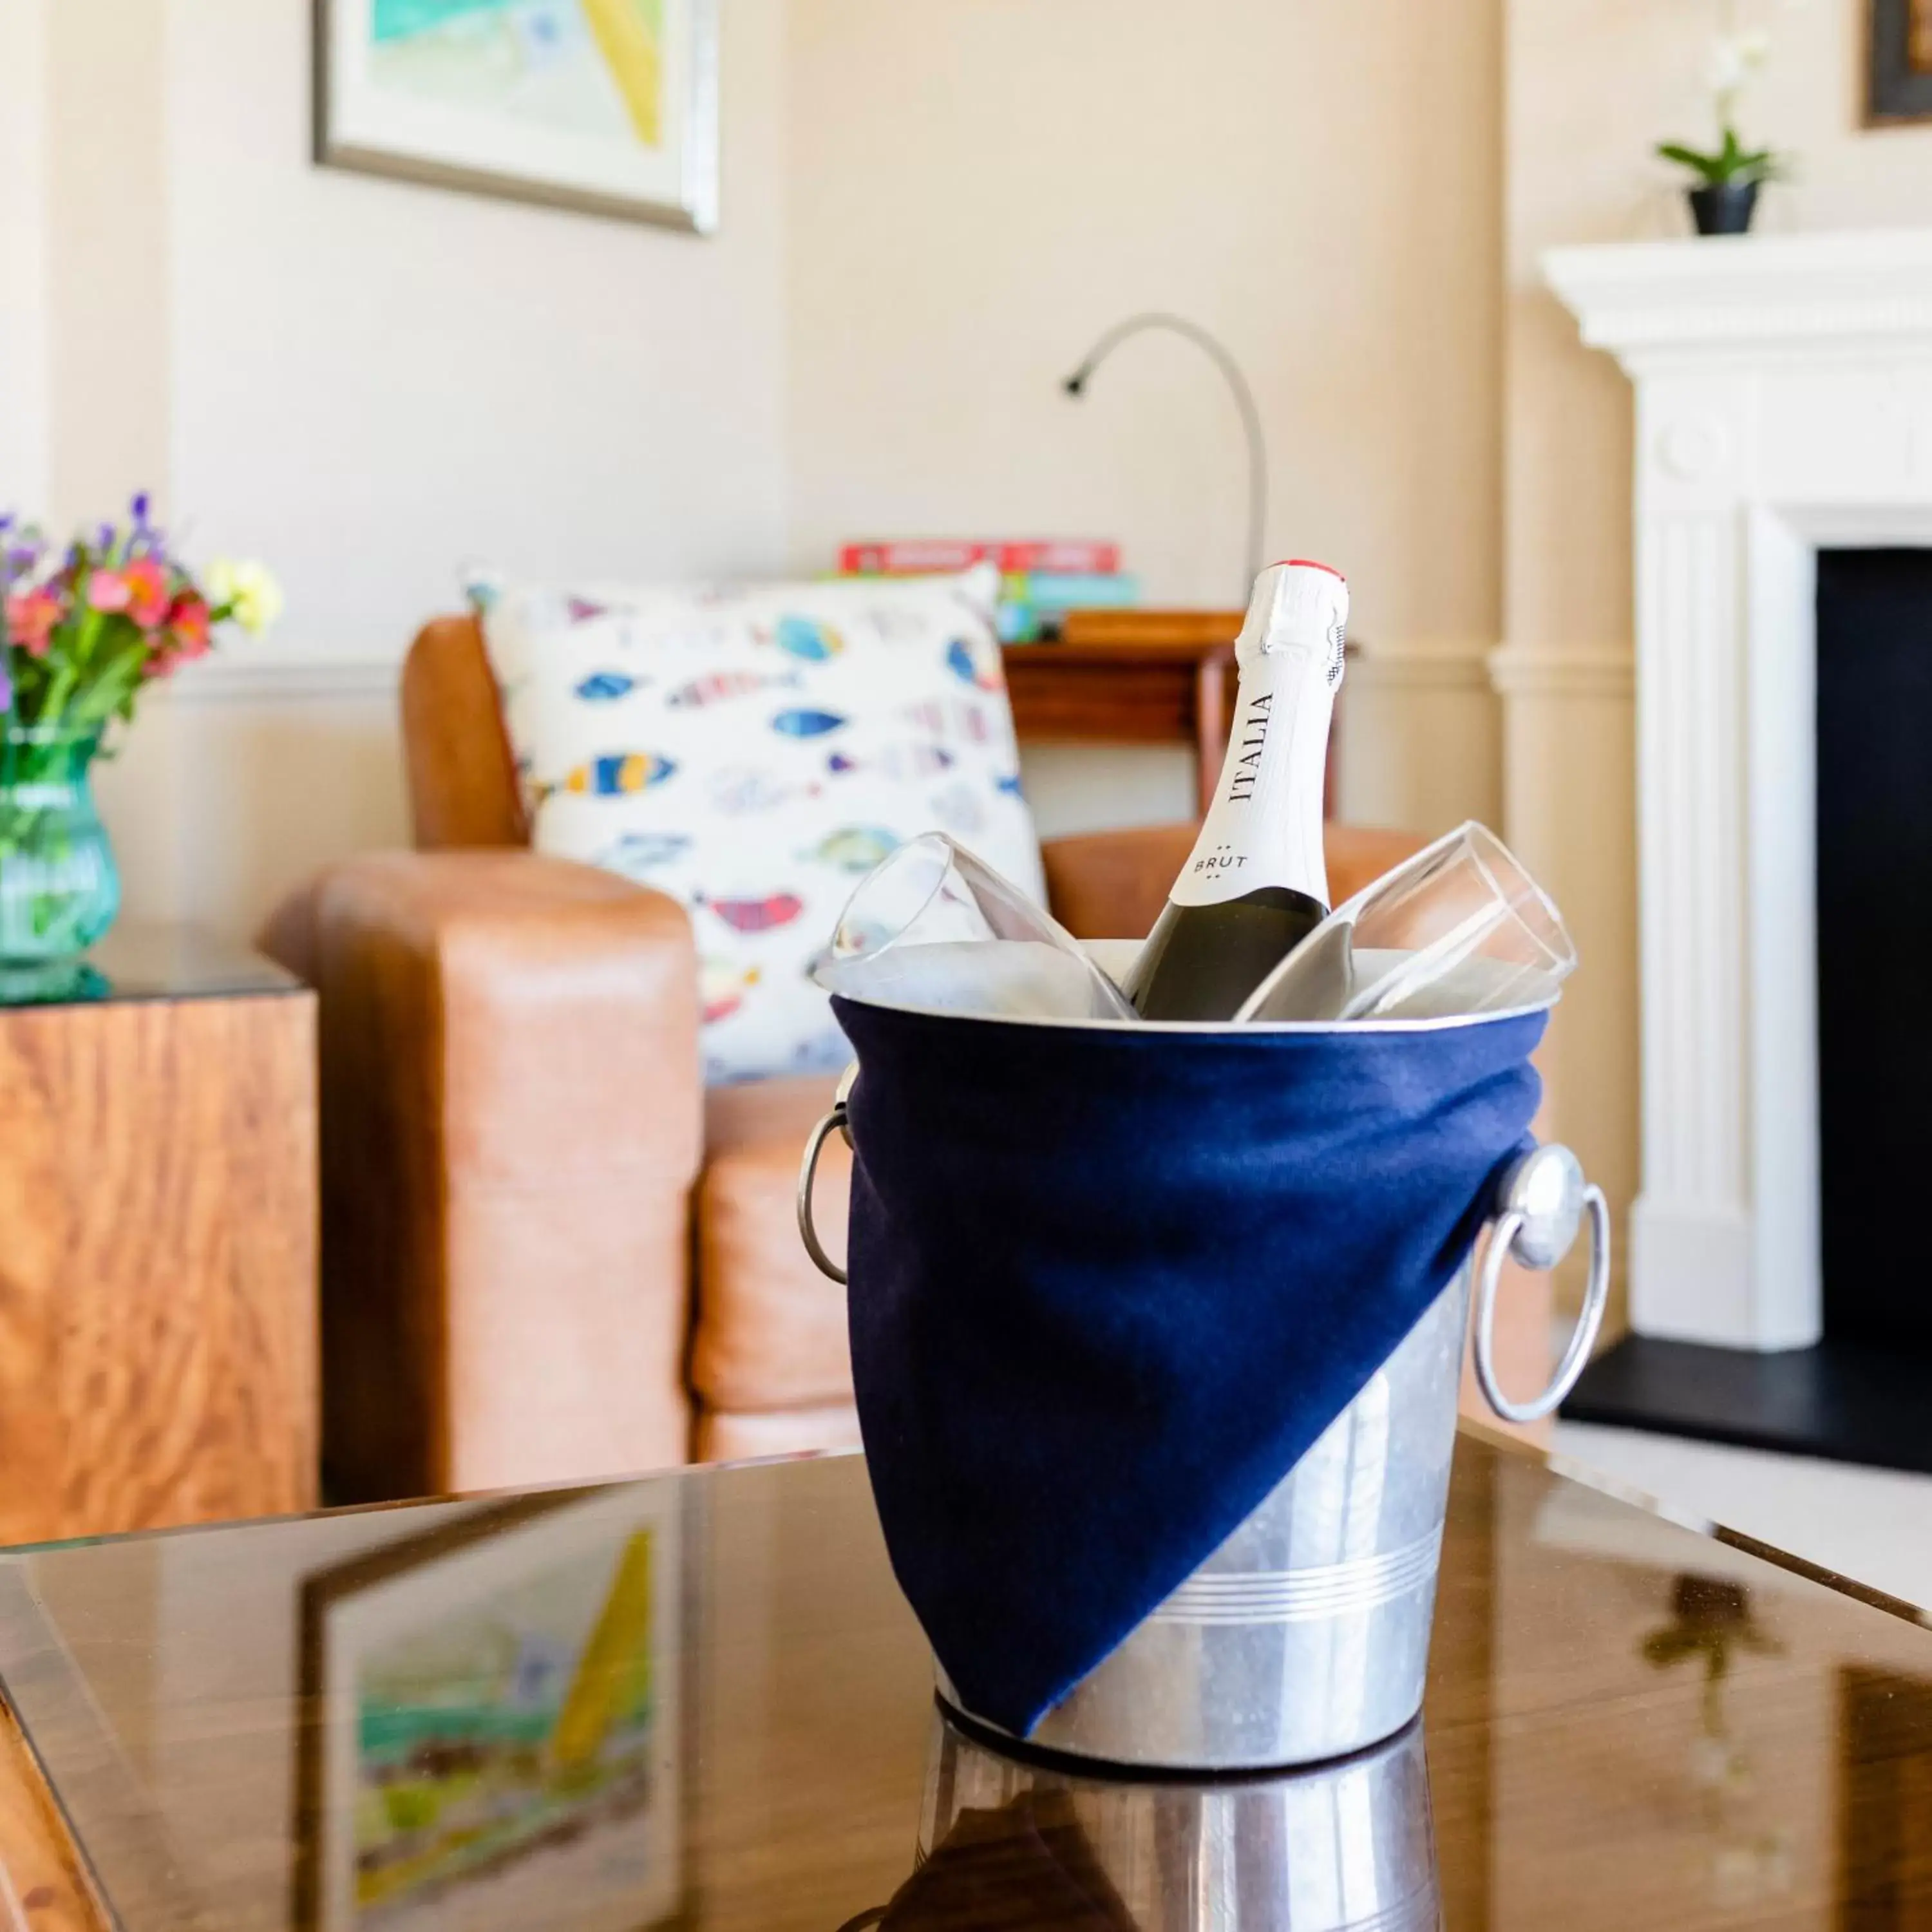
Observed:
{"x":1344,"y":1848}
{"x":1305,"y":1637}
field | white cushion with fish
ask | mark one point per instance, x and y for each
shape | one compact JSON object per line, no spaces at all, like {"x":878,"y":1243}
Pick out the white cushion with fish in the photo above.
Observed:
{"x":753,"y":753}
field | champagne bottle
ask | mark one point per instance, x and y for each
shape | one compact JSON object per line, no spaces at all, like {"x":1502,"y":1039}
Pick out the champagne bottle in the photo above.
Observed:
{"x":1256,"y":885}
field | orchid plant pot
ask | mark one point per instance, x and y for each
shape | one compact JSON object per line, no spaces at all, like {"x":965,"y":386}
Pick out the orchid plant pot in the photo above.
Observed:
{"x":1724,"y":208}
{"x":59,"y":890}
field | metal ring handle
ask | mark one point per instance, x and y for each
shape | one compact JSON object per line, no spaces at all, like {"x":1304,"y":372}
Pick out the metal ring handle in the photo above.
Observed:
{"x":1596,"y":1298}
{"x":807,"y":1173}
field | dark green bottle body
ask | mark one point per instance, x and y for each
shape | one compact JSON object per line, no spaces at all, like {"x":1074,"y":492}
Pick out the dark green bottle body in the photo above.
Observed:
{"x":1200,"y":961}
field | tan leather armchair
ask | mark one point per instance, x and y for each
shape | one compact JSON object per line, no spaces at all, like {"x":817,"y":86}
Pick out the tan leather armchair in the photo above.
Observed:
{"x":548,"y":1253}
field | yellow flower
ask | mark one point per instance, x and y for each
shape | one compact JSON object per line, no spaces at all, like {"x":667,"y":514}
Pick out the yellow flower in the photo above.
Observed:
{"x":252,"y":597}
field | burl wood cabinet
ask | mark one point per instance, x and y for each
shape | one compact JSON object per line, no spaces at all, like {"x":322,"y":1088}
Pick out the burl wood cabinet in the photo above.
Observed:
{"x":158,"y":1356}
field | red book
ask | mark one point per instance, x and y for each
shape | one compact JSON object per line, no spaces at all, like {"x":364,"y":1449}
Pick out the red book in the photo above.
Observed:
{"x":921,"y":556}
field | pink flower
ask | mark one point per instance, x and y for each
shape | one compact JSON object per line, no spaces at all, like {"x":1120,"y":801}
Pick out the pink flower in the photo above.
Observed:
{"x":109,"y":590}
{"x":190,"y":632}
{"x":30,"y":619}
{"x":148,"y":601}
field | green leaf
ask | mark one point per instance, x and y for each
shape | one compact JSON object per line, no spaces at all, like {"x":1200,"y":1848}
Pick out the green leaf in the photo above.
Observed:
{"x":1707,"y":165}
{"x":1733,"y":162}
{"x":111,"y":684}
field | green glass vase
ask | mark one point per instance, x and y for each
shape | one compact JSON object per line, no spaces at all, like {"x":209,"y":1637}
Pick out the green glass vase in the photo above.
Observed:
{"x":59,"y":890}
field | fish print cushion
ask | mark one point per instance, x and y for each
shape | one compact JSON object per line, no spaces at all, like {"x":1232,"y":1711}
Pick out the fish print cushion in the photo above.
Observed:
{"x":753,"y":753}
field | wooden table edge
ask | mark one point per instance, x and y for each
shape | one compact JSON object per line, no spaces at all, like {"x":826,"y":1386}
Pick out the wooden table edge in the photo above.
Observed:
{"x":44,"y":1880}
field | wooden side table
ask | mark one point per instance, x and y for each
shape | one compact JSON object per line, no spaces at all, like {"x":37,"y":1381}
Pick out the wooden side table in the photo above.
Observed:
{"x":1136,"y":677}
{"x":158,"y":1313}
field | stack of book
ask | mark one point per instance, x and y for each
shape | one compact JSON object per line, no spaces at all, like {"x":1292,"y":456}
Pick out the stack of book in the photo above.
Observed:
{"x":1041,"y":579}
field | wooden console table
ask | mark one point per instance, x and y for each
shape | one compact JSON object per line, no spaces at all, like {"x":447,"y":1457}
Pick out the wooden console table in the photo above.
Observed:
{"x":158,"y":1239}
{"x":1135,"y":677}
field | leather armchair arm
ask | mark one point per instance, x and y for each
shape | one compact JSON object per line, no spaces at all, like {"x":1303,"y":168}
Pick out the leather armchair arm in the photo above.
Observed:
{"x":511,"y":1124}
{"x":1112,"y":885}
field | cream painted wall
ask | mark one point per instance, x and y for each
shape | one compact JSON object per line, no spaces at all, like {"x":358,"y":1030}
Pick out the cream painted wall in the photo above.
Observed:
{"x":401,"y":379}
{"x":367,"y":383}
{"x":928,"y":213}
{"x":980,"y":187}
{"x":23,"y":251}
{"x":105,"y":376}
{"x":1591,"y":87}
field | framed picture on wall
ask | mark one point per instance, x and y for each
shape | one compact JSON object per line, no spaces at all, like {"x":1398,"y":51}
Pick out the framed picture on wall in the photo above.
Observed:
{"x":1898,"y":60}
{"x":495,"y":1723}
{"x":607,"y":105}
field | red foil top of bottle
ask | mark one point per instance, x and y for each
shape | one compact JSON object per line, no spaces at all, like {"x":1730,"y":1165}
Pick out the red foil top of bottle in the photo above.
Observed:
{"x":1308,"y":563}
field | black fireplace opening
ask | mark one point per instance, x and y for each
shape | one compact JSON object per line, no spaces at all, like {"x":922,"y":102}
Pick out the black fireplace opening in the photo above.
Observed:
{"x":1865,"y":1394}
{"x":1875,"y":946}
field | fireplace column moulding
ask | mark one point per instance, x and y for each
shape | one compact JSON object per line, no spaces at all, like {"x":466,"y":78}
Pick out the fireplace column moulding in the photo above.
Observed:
{"x":1783,"y":405}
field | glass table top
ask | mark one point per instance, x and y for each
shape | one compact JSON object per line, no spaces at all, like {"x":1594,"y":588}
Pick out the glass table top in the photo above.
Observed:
{"x":699,"y":1700}
{"x":136,"y":962}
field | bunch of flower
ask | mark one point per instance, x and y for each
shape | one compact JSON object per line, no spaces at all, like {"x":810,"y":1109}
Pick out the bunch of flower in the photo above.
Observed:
{"x":82,"y":632}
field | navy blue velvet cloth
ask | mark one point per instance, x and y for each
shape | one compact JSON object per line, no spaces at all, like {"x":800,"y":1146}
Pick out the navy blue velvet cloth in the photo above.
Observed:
{"x":1109,"y":1284}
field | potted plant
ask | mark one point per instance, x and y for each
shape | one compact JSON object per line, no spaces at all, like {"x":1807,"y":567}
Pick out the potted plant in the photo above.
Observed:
{"x":1730,"y":174}
{"x":82,"y":633}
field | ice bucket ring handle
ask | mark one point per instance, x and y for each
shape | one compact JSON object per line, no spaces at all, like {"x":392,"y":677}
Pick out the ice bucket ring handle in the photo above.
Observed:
{"x":835,"y":1122}
{"x":1544,"y":1198}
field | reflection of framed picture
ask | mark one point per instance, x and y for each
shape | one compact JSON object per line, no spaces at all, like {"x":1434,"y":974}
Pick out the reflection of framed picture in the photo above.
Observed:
{"x":1898,"y":60}
{"x":495,"y":1723}
{"x":609,"y":106}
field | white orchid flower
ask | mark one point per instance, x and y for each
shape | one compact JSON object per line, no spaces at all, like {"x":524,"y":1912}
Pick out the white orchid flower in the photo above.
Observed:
{"x":1735,"y":60}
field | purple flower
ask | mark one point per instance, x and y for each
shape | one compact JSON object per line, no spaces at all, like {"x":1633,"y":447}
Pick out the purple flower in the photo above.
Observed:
{"x":140,"y":509}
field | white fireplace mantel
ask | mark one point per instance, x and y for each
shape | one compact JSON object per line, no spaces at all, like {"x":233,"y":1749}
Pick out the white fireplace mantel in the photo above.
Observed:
{"x":1784,"y":405}
{"x":1682,"y":301}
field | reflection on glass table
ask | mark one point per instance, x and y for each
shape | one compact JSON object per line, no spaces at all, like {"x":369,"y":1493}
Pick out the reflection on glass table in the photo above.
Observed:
{"x":699,"y":1700}
{"x":138,"y":963}
{"x":1344,"y":1847}
{"x":496,"y":1706}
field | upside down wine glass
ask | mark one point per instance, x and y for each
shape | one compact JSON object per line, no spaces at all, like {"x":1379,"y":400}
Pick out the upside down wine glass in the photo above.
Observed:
{"x":1461,"y":927}
{"x":933,"y":927}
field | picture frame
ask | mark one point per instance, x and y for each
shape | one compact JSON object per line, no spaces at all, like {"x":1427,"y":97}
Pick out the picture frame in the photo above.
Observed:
{"x":608,"y":107}
{"x":1898,"y":61}
{"x":495,"y":1721}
